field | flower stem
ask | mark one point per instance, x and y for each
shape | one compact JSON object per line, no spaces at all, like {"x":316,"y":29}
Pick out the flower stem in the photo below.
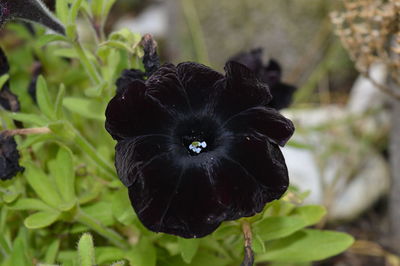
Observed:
{"x":87,"y":64}
{"x":26,"y":131}
{"x":109,"y":234}
{"x":248,"y":237}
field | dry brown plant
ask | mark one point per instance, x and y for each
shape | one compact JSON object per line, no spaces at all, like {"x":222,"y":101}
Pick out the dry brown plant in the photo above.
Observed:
{"x":370,"y":32}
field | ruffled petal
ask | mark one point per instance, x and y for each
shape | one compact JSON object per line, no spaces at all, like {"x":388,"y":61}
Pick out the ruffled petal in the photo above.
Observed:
{"x":133,"y":154}
{"x":238,"y":190}
{"x":252,"y":59}
{"x":199,"y":82}
{"x":264,"y":161}
{"x":175,"y":200}
{"x":166,"y":88}
{"x":266,"y":121}
{"x":242,"y":91}
{"x":282,"y":95}
{"x":133,"y":113}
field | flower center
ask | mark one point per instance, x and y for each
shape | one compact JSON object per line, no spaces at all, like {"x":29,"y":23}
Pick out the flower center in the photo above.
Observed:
{"x":196,"y":135}
{"x":197,"y":146}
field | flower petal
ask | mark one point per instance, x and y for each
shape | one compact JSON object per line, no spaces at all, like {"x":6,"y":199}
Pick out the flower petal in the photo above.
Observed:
{"x":165,"y":86}
{"x":282,"y":95}
{"x":9,"y":158}
{"x":266,"y":121}
{"x":199,"y":82}
{"x":263,"y":161}
{"x":133,"y":113}
{"x":238,"y":190}
{"x":133,"y":154}
{"x":127,"y":77}
{"x":252,"y":59}
{"x":242,"y":91}
{"x":175,"y":200}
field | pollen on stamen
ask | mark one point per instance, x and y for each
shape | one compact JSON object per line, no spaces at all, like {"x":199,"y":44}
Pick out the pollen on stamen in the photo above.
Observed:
{"x":197,"y":146}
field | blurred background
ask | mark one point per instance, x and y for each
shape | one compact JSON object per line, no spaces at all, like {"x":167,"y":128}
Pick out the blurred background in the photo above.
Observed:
{"x":344,"y":152}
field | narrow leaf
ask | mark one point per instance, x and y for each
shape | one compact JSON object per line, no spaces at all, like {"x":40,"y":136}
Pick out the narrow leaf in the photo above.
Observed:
{"x":86,"y":250}
{"x":306,"y":245}
{"x":188,"y":248}
{"x":41,"y":219}
{"x":43,"y":98}
{"x":278,"y":226}
{"x":42,"y":185}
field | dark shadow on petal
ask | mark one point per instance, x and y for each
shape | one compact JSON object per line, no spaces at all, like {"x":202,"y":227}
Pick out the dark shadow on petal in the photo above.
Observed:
{"x":153,"y":189}
{"x":131,"y":155}
{"x":263,"y":161}
{"x":282,"y":95}
{"x":164,"y":85}
{"x":9,"y":158}
{"x":199,"y":82}
{"x":252,"y":59}
{"x":237,"y":190}
{"x":133,"y":113}
{"x":242,"y":91}
{"x":128,"y":76}
{"x":266,"y":121}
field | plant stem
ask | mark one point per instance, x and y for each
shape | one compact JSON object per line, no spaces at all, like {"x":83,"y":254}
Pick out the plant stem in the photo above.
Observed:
{"x":248,"y":238}
{"x":109,"y":234}
{"x":93,"y":154}
{"x":26,"y":131}
{"x":87,"y":64}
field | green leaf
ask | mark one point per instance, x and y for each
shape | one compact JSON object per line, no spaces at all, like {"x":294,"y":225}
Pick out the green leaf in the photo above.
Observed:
{"x":62,"y":10}
{"x":62,"y":170}
{"x":43,"y":98}
{"x":52,"y":250}
{"x":30,"y":204}
{"x":10,"y":194}
{"x":306,"y":245}
{"x":100,"y":211}
{"x":108,"y":254}
{"x":42,"y":185}
{"x":33,"y":139}
{"x":226,"y":230}
{"x":188,"y":248}
{"x":117,"y":44}
{"x":278,"y":226}
{"x":48,"y":38}
{"x":74,"y":11}
{"x":41,"y":219}
{"x":311,"y":214}
{"x":59,"y":102}
{"x":85,"y":107}
{"x":86,"y":250}
{"x":19,"y":250}
{"x":258,"y":245}
{"x":32,"y":119}
{"x":3,"y":79}
{"x":121,"y":207}
{"x":143,"y":253}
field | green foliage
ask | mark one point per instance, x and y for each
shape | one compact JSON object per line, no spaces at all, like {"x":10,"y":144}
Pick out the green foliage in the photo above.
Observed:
{"x":70,"y":186}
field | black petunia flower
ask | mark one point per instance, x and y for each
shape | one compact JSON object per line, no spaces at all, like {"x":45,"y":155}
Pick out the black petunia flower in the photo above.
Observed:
{"x":9,"y":156}
{"x":196,"y":148}
{"x":271,"y":74}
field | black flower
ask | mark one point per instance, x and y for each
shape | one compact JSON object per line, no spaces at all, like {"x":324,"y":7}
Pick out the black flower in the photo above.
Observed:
{"x":29,"y":10}
{"x":9,"y":156}
{"x":271,"y":74}
{"x":196,"y":148}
